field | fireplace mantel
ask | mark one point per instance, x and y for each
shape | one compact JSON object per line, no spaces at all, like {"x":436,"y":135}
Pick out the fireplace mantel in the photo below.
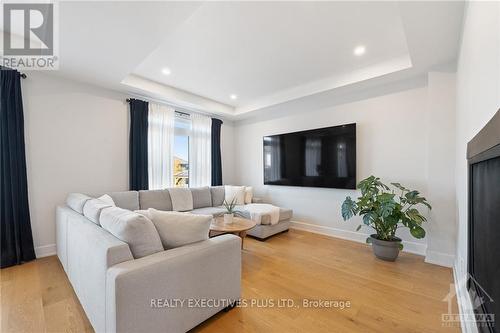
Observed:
{"x":486,"y":139}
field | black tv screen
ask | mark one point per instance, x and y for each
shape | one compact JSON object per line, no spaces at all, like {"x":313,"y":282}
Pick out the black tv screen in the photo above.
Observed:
{"x":323,"y":157}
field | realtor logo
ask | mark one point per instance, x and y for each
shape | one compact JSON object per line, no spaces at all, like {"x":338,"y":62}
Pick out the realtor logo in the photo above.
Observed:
{"x":480,"y":319}
{"x":29,"y":36}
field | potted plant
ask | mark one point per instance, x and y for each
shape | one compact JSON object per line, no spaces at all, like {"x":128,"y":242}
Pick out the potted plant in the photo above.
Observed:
{"x":230,"y":210}
{"x":385,"y":211}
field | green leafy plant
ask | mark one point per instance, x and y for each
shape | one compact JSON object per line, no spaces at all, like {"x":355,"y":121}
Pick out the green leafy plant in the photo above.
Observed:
{"x":385,"y":211}
{"x":230,"y":206}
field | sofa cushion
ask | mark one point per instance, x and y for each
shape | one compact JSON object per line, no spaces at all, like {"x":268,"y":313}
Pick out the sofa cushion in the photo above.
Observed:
{"x":107,"y":199}
{"x":134,"y":229}
{"x":126,"y":199}
{"x":248,"y":194}
{"x":201,"y":197}
{"x":92,"y":209}
{"x":178,"y":229}
{"x":218,"y":195}
{"x":236,"y":193}
{"x":157,"y":199}
{"x":264,"y":231}
{"x":285,"y":214}
{"x":76,"y":201}
{"x":144,"y":212}
{"x":182,"y":199}
{"x":214,"y":211}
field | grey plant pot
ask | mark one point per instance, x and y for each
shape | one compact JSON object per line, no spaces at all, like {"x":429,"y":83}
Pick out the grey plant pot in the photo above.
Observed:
{"x":385,"y":250}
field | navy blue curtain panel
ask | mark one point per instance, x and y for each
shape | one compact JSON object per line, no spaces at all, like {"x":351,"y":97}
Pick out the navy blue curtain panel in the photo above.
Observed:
{"x":216,"y":154}
{"x":138,"y":145}
{"x":16,"y":236}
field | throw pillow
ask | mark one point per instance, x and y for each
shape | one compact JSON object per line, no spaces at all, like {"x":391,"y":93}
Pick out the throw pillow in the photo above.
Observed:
{"x":178,"y":229}
{"x":235,"y":192}
{"x":107,"y":199}
{"x":182,"y":199}
{"x":134,"y":229}
{"x":76,"y":201}
{"x":248,"y":194}
{"x":144,"y":212}
{"x":92,"y":209}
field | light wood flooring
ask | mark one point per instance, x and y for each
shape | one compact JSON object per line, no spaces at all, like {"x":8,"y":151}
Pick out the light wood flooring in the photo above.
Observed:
{"x":405,"y":296}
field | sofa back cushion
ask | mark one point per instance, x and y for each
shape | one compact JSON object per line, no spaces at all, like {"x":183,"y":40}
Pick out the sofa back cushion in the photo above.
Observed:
{"x":178,"y":229}
{"x":126,"y":199}
{"x":218,"y":194}
{"x":92,"y":209}
{"x":134,"y":229}
{"x":182,"y":199}
{"x":201,"y":197}
{"x":157,"y":199}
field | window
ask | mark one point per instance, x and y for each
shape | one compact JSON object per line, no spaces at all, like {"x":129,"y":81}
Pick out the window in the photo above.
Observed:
{"x":181,"y":151}
{"x":181,"y":161}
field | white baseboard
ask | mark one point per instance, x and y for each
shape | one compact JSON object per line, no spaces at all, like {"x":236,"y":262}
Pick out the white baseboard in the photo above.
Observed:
{"x":45,"y":251}
{"x":464,"y":303}
{"x":411,"y":247}
{"x":439,"y":258}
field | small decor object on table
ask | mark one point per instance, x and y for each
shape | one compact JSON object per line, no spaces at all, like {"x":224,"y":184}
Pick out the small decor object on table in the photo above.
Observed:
{"x":385,"y":211}
{"x":229,"y":215}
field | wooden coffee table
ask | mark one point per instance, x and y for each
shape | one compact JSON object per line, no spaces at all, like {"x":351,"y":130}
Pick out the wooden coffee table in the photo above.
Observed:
{"x":239,"y":227}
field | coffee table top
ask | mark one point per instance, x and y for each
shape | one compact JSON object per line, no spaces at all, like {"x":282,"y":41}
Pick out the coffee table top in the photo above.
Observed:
{"x":239,"y":224}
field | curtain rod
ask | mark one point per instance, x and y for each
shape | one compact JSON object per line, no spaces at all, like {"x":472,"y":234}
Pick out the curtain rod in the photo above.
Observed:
{"x":180,"y":112}
{"x":21,"y":74}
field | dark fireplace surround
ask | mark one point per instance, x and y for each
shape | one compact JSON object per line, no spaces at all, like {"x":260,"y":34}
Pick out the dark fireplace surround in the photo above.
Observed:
{"x":483,"y":155}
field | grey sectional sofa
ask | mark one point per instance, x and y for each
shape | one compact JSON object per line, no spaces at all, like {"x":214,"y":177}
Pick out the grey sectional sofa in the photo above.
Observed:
{"x":206,"y":201}
{"x":120,"y":293}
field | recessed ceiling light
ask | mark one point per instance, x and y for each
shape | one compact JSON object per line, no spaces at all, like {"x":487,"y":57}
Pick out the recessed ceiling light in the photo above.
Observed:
{"x":233,"y":96}
{"x":166,"y":71}
{"x":359,"y":50}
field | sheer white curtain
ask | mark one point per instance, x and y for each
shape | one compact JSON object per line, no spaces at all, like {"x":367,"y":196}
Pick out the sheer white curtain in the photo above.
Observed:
{"x":161,"y":126}
{"x":200,"y":159}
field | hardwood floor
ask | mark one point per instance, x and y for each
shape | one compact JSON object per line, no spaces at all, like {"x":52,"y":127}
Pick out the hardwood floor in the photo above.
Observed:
{"x":37,"y":297}
{"x":405,"y":296}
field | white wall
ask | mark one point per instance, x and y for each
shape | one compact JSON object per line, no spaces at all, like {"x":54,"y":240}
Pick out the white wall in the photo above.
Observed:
{"x":478,"y":98}
{"x":77,"y":141}
{"x":441,"y":233}
{"x":392,"y":134}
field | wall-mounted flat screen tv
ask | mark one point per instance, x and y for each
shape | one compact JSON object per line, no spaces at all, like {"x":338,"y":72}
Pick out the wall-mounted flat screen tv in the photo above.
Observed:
{"x":323,"y":157}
